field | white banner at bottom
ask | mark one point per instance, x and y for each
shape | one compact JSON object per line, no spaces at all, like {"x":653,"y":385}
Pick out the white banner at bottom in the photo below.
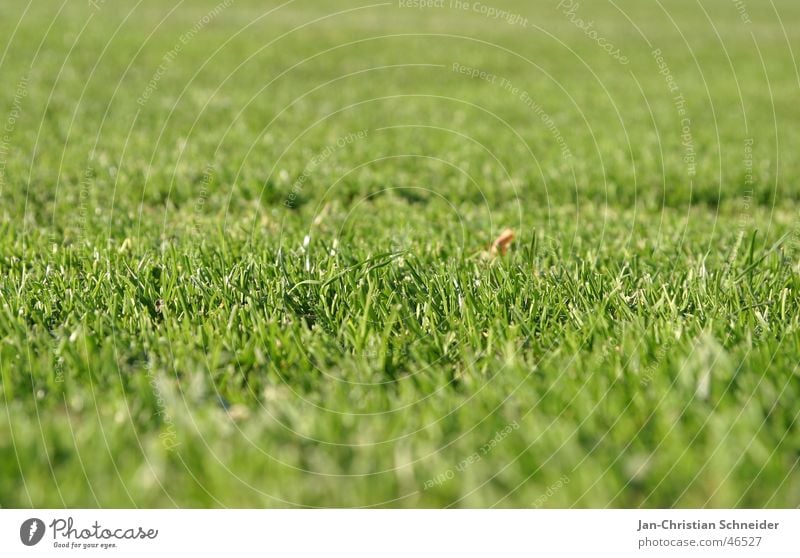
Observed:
{"x":400,"y":533}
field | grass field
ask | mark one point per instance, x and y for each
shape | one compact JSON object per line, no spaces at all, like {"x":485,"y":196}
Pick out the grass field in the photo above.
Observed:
{"x":244,"y":253}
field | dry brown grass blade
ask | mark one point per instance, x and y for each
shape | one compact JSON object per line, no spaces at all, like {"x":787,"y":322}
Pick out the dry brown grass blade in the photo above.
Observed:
{"x":502,"y":242}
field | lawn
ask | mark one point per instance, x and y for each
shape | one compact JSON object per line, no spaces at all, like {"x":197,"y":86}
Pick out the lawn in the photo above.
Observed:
{"x":245,"y":253}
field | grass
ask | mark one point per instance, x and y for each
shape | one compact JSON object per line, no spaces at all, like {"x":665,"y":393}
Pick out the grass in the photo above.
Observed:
{"x":242,"y":256}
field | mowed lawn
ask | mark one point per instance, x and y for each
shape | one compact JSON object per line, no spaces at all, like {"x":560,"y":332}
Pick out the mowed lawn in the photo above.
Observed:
{"x":245,"y":253}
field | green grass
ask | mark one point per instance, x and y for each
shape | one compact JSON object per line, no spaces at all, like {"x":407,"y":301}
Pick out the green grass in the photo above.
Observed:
{"x":208,"y":301}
